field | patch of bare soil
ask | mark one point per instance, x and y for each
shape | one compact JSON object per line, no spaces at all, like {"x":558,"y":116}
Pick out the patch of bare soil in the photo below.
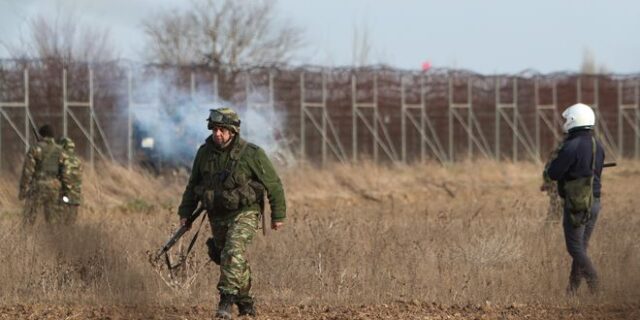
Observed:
{"x":397,"y":310}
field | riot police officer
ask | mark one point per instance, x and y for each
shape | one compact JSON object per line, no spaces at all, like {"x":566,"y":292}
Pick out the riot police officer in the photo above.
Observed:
{"x":577,"y":167}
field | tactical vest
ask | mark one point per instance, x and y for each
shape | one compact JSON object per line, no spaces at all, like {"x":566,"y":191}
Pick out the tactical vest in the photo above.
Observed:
{"x":227,"y":190}
{"x":49,"y":165}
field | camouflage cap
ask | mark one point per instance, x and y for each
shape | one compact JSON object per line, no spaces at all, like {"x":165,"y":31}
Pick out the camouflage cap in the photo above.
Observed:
{"x":224,"y":117}
{"x":67,"y":144}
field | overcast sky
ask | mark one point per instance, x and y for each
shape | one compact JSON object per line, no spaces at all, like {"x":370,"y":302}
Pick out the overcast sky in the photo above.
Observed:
{"x":486,"y":36}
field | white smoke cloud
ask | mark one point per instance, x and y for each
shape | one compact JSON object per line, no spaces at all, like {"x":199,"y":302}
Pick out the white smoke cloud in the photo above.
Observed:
{"x":175,"y":119}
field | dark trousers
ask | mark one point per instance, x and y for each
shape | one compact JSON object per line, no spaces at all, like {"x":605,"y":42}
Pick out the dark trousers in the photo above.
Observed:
{"x":577,"y":241}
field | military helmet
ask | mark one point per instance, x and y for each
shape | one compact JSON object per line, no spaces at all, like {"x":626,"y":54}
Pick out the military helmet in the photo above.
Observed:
{"x":67,"y":144}
{"x":224,"y":117}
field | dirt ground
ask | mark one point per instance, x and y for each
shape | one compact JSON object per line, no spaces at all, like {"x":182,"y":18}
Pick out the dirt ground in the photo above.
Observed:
{"x":398,"y":310}
{"x":471,"y":241}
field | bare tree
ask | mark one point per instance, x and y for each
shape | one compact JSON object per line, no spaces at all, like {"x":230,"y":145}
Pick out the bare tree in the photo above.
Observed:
{"x":173,"y":38}
{"x":60,"y":42}
{"x":222,"y":32}
{"x":63,"y":39}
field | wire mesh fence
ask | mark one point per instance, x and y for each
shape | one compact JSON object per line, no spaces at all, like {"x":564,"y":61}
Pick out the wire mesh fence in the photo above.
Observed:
{"x":317,"y":114}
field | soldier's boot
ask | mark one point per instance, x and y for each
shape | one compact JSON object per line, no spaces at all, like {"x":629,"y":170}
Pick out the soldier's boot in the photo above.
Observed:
{"x":246,"y":307}
{"x":225,"y":306}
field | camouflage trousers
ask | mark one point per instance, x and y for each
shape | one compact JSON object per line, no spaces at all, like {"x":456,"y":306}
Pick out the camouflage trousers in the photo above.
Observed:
{"x":231,"y":237}
{"x":45,"y":198}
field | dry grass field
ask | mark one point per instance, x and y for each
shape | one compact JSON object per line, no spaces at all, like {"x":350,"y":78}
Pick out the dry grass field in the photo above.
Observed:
{"x":466,"y":241}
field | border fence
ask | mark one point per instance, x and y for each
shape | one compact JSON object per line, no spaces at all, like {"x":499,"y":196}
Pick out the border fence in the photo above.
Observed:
{"x":330,"y":114}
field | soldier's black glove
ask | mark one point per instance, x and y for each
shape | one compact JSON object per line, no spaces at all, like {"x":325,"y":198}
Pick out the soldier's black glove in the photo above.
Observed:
{"x":185,"y":222}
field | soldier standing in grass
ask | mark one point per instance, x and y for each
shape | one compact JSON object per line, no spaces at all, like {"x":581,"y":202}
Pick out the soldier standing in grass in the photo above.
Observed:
{"x":229,"y":177}
{"x":577,"y":167}
{"x":71,"y":177}
{"x":40,"y":184}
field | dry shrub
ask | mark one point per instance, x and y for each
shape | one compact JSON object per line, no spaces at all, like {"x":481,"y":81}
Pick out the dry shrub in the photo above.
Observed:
{"x":462,"y":233}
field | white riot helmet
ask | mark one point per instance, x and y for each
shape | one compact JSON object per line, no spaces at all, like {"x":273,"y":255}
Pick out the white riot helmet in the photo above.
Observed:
{"x":578,"y":115}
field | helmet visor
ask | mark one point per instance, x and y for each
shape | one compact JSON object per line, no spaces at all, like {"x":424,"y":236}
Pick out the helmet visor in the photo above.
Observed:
{"x":218,"y":117}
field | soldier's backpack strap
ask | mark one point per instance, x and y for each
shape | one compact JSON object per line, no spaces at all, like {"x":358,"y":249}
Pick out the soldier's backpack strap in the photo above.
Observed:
{"x":587,"y":215}
{"x":593,"y":159}
{"x":237,"y":152}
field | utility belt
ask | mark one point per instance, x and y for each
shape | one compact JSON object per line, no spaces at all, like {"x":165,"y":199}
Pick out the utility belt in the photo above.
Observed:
{"x":224,"y":200}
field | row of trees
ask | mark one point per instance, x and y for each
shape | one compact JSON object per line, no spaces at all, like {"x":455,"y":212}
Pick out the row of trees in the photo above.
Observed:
{"x":229,"y":33}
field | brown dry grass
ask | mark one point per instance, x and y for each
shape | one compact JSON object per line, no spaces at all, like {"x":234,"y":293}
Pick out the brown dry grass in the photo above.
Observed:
{"x":467,"y":233}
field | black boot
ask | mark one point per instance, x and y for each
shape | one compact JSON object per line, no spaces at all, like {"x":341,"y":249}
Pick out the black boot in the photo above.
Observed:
{"x":225,"y":306}
{"x":246,"y":307}
{"x":594,"y":285}
{"x":575,"y":278}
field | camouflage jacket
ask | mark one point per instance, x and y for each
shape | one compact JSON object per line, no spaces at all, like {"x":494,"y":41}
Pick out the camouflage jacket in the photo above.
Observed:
{"x":71,"y":178}
{"x":44,"y":161}
{"x":252,"y":167}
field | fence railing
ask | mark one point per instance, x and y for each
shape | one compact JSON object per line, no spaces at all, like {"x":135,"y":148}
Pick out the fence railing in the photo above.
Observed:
{"x":325,"y":115}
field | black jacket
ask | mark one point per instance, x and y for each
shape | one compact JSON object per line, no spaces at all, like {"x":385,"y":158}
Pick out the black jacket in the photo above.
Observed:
{"x":574,"y":160}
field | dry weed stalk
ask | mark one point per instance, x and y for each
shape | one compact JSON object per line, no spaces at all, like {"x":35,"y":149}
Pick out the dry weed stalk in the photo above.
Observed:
{"x":178,"y":278}
{"x":410,"y":240}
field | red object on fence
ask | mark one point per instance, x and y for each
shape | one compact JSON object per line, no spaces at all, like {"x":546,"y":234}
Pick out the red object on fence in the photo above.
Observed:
{"x":426,"y":65}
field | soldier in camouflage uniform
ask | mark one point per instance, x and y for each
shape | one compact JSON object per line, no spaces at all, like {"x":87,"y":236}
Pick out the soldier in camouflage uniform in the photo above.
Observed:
{"x":229,"y":177}
{"x":40,"y":184}
{"x":556,"y":204}
{"x":71,"y":177}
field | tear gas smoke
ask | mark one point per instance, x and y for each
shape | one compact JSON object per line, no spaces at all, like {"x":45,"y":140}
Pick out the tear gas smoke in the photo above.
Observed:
{"x":171,"y":125}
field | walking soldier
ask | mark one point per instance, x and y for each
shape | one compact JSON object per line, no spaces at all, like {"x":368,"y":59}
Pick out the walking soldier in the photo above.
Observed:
{"x":40,"y":184}
{"x":229,"y":176}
